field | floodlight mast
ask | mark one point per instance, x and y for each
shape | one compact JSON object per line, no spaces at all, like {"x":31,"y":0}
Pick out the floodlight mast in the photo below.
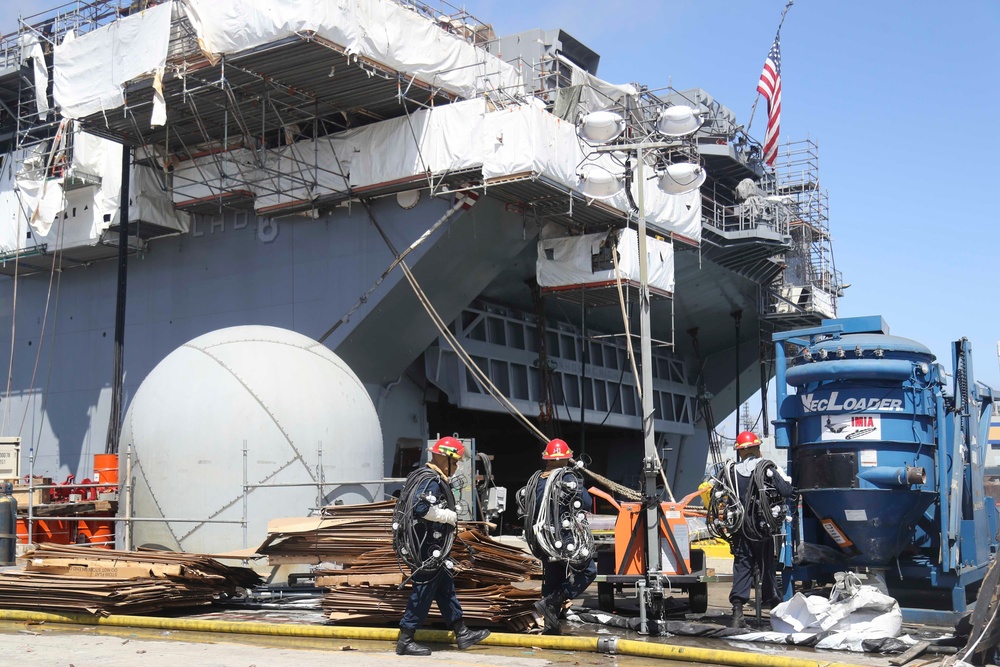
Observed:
{"x":650,"y":461}
{"x":652,"y":592}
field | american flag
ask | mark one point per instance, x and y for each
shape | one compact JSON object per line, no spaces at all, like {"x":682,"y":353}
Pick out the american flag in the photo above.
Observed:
{"x":770,"y":87}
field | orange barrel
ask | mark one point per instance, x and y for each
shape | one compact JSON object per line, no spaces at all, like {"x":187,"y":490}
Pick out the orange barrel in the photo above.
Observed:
{"x":99,"y":534}
{"x":46,"y":530}
{"x":106,"y":469}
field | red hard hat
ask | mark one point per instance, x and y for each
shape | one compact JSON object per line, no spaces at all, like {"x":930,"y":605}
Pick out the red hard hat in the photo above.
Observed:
{"x":449,"y":446}
{"x":557,"y":450}
{"x":746,"y":440}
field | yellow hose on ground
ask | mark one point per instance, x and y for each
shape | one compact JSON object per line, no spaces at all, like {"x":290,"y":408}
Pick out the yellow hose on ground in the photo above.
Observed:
{"x":552,"y":642}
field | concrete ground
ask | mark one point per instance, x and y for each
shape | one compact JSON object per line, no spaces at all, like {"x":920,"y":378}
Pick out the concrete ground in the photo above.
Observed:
{"x":55,"y":645}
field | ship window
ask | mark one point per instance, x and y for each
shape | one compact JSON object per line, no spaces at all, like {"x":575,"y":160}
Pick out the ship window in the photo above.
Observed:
{"x":515,"y":335}
{"x":473,"y":325}
{"x":596,"y":355}
{"x":519,"y":382}
{"x":628,"y":400}
{"x":533,"y":388}
{"x":557,"y":390}
{"x":677,"y":371}
{"x":531,"y":339}
{"x":500,"y":376}
{"x":601,"y":395}
{"x":567,"y":348}
{"x":571,"y":390}
{"x":552,"y":343}
{"x":471,"y":385}
{"x":666,"y":406}
{"x":681,"y":408}
{"x":588,"y":395}
{"x":497,"y":331}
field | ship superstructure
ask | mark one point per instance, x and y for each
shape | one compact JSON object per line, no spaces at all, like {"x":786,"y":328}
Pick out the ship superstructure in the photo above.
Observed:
{"x":282,"y":160}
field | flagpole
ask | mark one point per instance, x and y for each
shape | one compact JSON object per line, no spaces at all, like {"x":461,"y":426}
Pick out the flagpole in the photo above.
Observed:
{"x":784,"y":11}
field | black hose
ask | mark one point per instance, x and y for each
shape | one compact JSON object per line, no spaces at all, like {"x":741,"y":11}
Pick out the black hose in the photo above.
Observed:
{"x":421,"y":545}
{"x":557,"y":529}
{"x":766,"y":509}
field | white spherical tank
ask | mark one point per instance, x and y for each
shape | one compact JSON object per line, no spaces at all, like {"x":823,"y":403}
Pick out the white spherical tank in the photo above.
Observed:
{"x":267,"y":401}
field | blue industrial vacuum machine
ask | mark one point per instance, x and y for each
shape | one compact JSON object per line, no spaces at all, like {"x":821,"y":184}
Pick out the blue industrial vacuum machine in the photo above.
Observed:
{"x":887,"y":450}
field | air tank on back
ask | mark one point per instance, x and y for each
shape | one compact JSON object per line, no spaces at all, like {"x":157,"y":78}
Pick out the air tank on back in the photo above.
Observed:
{"x":886,"y":450}
{"x":246,"y":421}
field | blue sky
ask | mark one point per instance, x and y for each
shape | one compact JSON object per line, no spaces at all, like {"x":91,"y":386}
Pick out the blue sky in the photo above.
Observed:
{"x":901,"y":97}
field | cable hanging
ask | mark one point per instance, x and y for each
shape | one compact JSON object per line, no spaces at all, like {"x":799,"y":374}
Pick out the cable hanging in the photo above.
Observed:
{"x":423,"y":549}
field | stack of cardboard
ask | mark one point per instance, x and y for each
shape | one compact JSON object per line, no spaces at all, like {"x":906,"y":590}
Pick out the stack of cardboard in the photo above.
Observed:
{"x":341,"y":535}
{"x":352,"y":544}
{"x":491,"y":605}
{"x":103,"y":582}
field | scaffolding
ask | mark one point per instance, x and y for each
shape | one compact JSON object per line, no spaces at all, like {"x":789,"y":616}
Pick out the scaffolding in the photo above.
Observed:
{"x":808,"y":289}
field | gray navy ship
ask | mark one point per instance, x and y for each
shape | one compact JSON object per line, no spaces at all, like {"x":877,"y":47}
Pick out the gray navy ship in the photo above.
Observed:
{"x":278,"y":163}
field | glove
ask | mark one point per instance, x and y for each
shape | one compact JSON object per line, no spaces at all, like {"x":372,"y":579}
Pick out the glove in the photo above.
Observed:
{"x":441,"y":515}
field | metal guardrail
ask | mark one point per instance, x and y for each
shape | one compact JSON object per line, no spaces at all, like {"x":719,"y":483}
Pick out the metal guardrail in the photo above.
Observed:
{"x":126,"y":498}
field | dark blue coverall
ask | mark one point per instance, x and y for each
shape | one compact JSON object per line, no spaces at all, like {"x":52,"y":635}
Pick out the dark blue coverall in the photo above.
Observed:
{"x":437,"y":586}
{"x":557,"y":574}
{"x":747,"y":553}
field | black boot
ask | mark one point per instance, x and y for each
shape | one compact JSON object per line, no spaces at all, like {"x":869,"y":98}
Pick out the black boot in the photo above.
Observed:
{"x":406,"y":646}
{"x":548,"y":608}
{"x":465,"y":637}
{"x":738,"y":621}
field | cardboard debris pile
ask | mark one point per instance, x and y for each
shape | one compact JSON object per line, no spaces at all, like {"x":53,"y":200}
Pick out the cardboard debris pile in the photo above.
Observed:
{"x":341,"y":535}
{"x":63,"y":578}
{"x":351,"y":545}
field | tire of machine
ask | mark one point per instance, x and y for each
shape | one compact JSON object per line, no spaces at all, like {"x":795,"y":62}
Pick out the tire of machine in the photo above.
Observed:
{"x":606,"y":597}
{"x":698,"y":598}
{"x":698,"y":593}
{"x":605,"y":591}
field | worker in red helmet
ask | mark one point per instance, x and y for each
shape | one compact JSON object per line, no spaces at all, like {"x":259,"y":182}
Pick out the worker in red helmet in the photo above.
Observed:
{"x":751,"y":555}
{"x":562,"y":581}
{"x":424,"y":520}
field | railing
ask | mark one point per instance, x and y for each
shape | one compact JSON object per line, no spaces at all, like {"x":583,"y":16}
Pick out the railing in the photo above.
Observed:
{"x":125,"y":492}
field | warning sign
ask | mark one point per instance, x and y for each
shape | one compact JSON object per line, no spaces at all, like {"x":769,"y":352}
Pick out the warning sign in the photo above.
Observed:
{"x":839,"y":536}
{"x":852,"y":427}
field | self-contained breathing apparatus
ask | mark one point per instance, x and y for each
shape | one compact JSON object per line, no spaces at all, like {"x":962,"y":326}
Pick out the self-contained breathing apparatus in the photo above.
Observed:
{"x":557,"y":528}
{"x":424,"y":547}
{"x":758,"y":516}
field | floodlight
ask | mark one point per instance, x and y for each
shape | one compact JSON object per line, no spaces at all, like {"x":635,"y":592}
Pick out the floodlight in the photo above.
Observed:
{"x":596,"y":182}
{"x":600,"y":127}
{"x":679,"y":120}
{"x":681,"y":178}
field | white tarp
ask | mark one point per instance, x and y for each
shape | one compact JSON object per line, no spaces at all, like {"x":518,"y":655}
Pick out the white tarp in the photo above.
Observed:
{"x":89,"y":71}
{"x":526,"y":139}
{"x":304,"y":171}
{"x":58,"y":212}
{"x":41,"y":197}
{"x":436,"y":140}
{"x":13,"y":216}
{"x":520,"y":140}
{"x":212,"y":176}
{"x":150,"y":203}
{"x":380,"y":30}
{"x":853,"y":614}
{"x":569,"y":260}
{"x":31,"y":48}
{"x":597,"y":94}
